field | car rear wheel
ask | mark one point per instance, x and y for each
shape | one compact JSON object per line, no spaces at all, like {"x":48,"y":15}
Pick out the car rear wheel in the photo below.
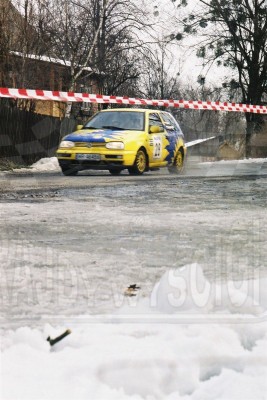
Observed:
{"x":178,"y":164}
{"x":140,"y":163}
{"x":68,"y":170}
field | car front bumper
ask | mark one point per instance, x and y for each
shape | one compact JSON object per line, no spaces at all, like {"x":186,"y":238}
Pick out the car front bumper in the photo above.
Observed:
{"x":107,"y":159}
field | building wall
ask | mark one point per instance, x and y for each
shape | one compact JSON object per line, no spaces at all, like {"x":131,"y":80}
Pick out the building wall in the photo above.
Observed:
{"x":45,"y":75}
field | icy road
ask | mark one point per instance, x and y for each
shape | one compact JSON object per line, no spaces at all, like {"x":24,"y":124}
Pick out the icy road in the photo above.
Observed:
{"x":72,"y":244}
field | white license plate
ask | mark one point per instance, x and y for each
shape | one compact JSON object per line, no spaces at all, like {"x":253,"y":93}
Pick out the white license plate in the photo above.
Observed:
{"x":91,"y":157}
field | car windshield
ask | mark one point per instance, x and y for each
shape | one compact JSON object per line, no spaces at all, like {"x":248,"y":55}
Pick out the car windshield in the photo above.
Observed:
{"x":121,"y":120}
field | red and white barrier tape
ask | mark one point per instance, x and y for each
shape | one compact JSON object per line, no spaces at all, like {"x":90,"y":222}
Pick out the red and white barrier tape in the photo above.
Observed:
{"x":98,"y":98}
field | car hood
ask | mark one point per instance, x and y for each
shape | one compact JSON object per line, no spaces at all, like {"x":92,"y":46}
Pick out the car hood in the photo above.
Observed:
{"x":97,"y":135}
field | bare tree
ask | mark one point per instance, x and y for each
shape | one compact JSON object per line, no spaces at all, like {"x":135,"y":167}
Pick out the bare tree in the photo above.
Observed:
{"x":234,"y":34}
{"x":18,"y":38}
{"x":121,"y":46}
{"x":4,"y":43}
{"x":160,"y":79}
{"x":10,"y":20}
{"x":96,"y":37}
{"x":72,"y":35}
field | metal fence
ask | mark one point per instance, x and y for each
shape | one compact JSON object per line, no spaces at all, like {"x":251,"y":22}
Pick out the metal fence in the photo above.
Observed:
{"x":25,"y":137}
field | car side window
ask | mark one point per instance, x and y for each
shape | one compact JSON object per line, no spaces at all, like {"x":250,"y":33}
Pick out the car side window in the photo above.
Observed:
{"x":154,"y":120}
{"x":170,"y":121}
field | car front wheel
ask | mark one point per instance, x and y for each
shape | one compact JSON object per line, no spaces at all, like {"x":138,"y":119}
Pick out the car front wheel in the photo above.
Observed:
{"x":115,"y":171}
{"x":140,"y":163}
{"x":68,"y":170}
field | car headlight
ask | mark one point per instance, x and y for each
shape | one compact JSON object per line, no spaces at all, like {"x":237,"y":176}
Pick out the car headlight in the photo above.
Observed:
{"x":115,"y":145}
{"x":67,"y":144}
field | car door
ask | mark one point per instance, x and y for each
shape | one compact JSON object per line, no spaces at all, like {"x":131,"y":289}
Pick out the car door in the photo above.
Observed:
{"x":157,"y":140}
{"x":173,"y":133}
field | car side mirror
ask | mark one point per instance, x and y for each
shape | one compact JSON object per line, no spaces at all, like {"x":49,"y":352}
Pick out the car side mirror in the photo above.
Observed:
{"x":155,"y":129}
{"x":79,"y":127}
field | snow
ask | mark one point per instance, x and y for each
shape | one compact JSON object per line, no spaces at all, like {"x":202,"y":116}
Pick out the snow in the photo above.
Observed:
{"x":47,"y":59}
{"x":165,"y":360}
{"x":43,"y":165}
{"x":51,"y":164}
{"x":188,"y":338}
{"x":250,"y":166}
{"x":46,"y":164}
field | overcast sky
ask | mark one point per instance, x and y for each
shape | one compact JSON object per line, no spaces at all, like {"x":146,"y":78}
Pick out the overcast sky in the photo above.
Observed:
{"x":183,"y":59}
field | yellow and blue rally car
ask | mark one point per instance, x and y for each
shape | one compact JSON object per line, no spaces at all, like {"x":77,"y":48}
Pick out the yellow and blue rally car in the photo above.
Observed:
{"x":135,"y":139}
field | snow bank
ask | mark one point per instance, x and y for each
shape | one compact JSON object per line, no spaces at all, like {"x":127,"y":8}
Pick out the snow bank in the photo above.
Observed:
{"x":137,"y":361}
{"x":251,"y":166}
{"x":242,"y":161}
{"x":42,"y":165}
{"x":51,"y":164}
{"x":187,"y":290}
{"x":46,"y":164}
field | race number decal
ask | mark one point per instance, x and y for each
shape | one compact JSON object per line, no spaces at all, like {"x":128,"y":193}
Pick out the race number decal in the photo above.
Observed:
{"x":157,"y":147}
